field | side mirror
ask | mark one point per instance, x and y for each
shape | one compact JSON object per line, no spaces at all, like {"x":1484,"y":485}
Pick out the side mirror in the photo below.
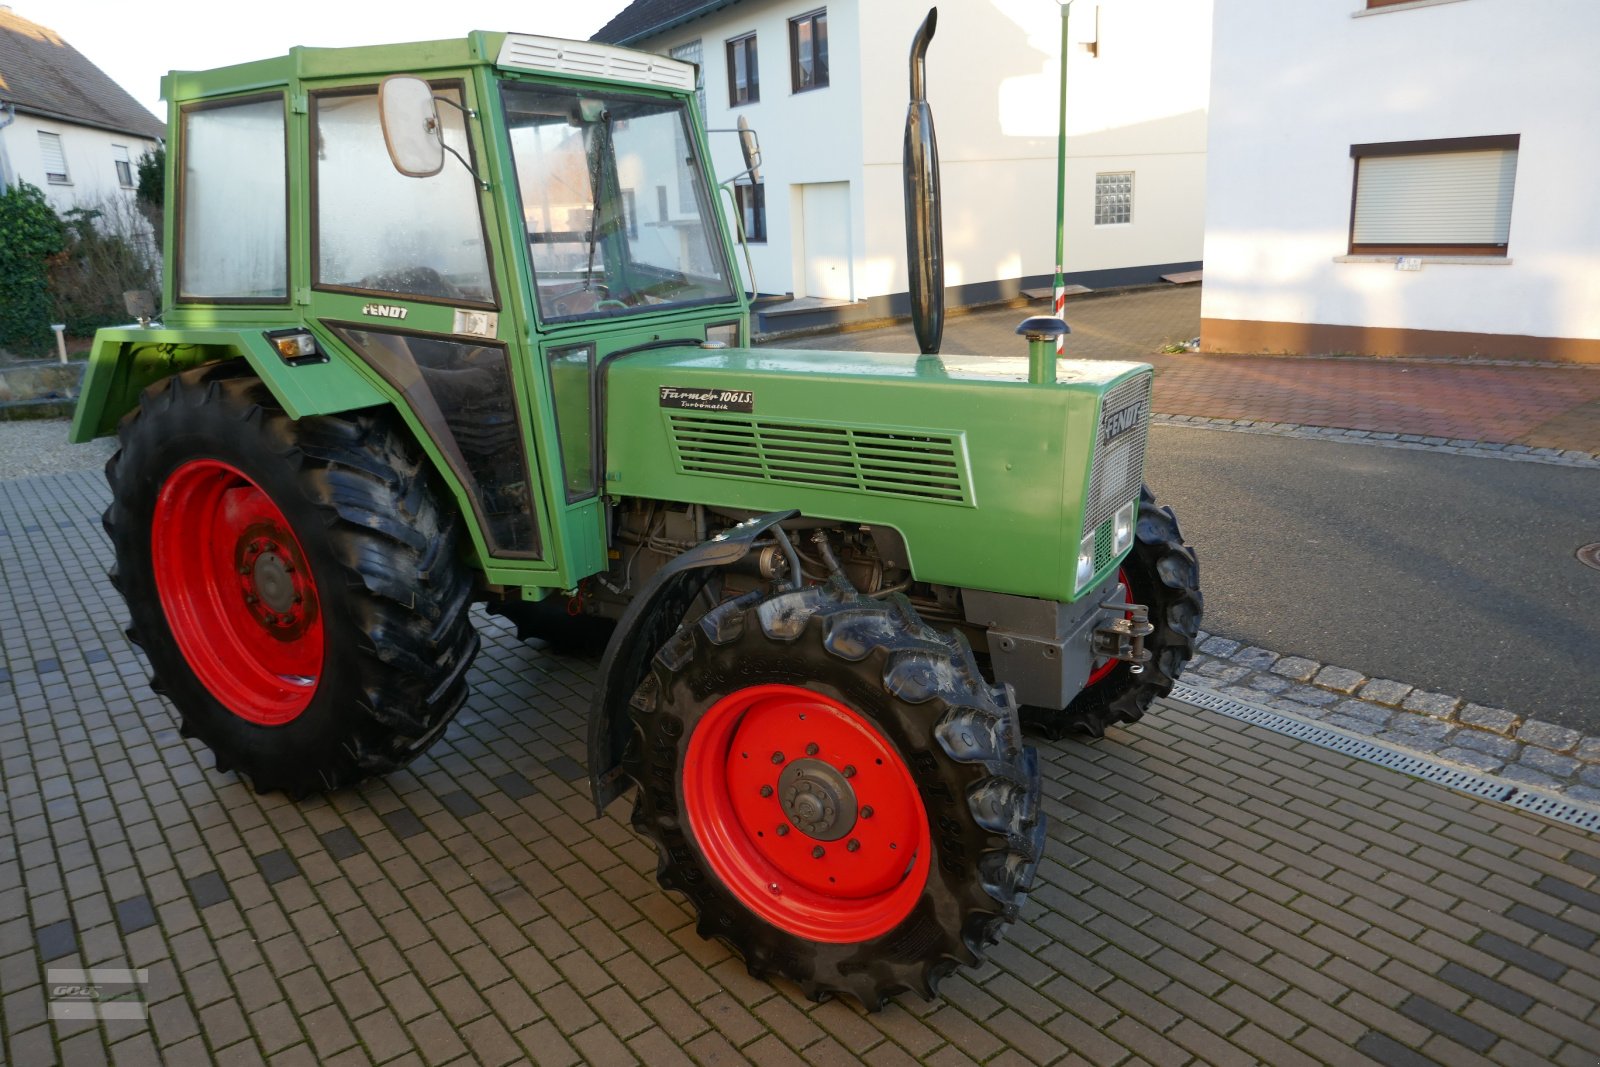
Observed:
{"x":411,"y":129}
{"x":750,"y":148}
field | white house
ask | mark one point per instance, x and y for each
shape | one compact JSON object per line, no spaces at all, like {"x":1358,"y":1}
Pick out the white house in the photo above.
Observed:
{"x":1404,"y":177}
{"x":64,"y":126}
{"x":826,"y":86}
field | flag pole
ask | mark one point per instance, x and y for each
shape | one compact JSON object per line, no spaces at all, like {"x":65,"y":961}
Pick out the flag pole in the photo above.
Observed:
{"x":1061,"y":184}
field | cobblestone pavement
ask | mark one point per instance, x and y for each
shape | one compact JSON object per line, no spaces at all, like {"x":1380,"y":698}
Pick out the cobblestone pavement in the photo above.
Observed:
{"x":1452,"y":401}
{"x":1212,"y":892}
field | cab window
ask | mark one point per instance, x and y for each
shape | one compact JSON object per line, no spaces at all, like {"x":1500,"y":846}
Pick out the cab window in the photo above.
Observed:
{"x":379,"y":231}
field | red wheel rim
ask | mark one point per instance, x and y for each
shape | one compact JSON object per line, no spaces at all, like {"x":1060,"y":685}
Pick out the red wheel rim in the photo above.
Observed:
{"x":1102,"y":672}
{"x":853,"y":854}
{"x":239,"y":598}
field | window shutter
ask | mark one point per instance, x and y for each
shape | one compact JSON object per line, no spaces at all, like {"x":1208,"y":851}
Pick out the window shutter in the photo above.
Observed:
{"x":1440,"y":198}
{"x":55,"y":161}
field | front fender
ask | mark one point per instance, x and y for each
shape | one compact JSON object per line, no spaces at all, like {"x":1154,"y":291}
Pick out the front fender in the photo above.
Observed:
{"x":651,"y":618}
{"x":127,"y":359}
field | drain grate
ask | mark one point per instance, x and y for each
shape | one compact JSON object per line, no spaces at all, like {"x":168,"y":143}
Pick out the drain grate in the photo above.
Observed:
{"x":1429,"y":770}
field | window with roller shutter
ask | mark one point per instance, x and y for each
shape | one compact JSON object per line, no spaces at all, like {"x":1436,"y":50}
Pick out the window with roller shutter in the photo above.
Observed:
{"x":55,"y":160}
{"x":1451,"y":196}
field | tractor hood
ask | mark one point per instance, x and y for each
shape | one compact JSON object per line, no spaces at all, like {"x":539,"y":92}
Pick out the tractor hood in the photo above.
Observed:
{"x":982,"y":473}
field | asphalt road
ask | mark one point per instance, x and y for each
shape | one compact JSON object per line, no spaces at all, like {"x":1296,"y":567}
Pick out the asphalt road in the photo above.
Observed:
{"x":1450,"y":573}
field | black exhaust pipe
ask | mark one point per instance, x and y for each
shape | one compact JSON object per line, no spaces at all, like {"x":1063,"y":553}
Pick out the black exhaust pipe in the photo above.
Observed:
{"x":924,"y":231}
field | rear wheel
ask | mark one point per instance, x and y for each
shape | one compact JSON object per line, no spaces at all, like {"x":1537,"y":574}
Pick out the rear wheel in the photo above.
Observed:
{"x":295,"y":585}
{"x":837,"y":790}
{"x":1162,"y":573}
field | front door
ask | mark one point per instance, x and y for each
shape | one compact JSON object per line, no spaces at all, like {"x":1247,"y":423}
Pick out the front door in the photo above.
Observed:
{"x":825,"y":240}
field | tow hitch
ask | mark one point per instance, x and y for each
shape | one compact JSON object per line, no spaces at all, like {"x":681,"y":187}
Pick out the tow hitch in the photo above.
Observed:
{"x":1123,"y":638}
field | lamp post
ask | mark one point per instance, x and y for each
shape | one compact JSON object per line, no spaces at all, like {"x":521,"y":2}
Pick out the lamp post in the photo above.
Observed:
{"x":1061,"y":184}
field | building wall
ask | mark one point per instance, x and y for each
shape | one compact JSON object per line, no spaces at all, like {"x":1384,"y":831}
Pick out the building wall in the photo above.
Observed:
{"x":808,"y":137}
{"x":91,"y":170}
{"x":1295,"y":85}
{"x":993,"y":81}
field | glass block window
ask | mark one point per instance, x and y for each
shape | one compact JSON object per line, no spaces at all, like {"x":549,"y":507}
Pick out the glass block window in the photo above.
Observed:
{"x":1113,"y":198}
{"x":690,"y":53}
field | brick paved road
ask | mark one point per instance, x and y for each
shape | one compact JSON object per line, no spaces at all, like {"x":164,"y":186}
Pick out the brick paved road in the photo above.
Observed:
{"x":1537,"y":406}
{"x":1212,"y":893}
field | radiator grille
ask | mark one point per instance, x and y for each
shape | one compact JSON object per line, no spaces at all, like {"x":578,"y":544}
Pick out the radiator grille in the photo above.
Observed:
{"x":915,"y":464}
{"x":1118,"y":469}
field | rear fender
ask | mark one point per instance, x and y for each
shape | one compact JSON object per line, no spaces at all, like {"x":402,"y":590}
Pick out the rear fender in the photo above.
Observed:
{"x":127,"y":360}
{"x":651,"y":618}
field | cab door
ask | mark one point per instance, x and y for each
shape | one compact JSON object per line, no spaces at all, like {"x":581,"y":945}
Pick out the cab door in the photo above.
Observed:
{"x":402,"y":273}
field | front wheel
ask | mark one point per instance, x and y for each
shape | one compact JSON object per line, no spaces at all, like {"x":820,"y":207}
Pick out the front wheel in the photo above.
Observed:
{"x":1162,"y":573}
{"x":842,"y":797}
{"x":295,"y":585}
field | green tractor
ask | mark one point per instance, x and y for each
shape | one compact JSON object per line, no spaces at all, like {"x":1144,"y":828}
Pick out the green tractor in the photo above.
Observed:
{"x":459,"y":322}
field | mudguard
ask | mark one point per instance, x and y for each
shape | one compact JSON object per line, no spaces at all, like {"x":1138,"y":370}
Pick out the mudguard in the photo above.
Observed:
{"x":126,"y":359}
{"x":651,"y":618}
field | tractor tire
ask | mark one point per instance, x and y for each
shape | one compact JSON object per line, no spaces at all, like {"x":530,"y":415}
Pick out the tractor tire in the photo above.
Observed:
{"x":1162,"y":573}
{"x":295,"y":585}
{"x":871,"y":848}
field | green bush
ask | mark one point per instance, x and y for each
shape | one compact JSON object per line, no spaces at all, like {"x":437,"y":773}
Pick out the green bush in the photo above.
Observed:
{"x":107,"y":252}
{"x":150,"y":196}
{"x":30,"y":235}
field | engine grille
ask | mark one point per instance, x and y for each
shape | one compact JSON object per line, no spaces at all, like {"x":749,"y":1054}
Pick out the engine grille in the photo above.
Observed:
{"x":1118,"y":469}
{"x":914,"y":464}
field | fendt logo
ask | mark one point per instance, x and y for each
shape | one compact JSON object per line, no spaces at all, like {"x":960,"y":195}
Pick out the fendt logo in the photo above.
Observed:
{"x":384,"y":311}
{"x":1114,"y":424}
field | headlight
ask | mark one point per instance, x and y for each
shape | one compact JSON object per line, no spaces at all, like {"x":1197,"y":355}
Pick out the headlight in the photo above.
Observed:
{"x":1085,"y":560}
{"x":1122,"y":531}
{"x":724,"y":333}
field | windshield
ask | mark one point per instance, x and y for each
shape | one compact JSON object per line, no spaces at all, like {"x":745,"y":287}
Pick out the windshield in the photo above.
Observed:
{"x":617,"y":215}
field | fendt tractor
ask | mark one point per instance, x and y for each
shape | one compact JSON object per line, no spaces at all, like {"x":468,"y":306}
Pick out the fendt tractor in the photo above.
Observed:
{"x":460,"y":322}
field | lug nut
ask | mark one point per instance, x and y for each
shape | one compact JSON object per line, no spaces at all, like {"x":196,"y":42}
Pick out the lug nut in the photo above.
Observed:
{"x":866,"y":812}
{"x":777,"y":757}
{"x":766,"y":790}
{"x":811,"y":749}
{"x":853,"y":845}
{"x":783,"y":830}
{"x":818,"y":852}
{"x":849,"y":771}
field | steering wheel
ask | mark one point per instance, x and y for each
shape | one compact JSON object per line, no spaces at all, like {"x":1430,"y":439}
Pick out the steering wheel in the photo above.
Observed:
{"x":603,"y":305}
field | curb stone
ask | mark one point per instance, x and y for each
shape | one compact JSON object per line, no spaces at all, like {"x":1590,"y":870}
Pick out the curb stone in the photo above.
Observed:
{"x":1439,"y":725}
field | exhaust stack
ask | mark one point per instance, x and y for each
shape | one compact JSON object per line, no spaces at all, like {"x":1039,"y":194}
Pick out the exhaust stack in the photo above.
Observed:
{"x":924,"y":231}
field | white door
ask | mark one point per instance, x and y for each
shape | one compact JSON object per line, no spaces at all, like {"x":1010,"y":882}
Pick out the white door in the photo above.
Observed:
{"x":825,"y":239}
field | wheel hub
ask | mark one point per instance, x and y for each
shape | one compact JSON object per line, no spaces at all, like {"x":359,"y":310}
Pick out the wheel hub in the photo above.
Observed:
{"x":273,"y":582}
{"x":817,"y":798}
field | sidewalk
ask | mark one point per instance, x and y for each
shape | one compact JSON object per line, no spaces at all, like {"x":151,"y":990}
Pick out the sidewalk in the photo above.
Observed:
{"x":1536,"y":405}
